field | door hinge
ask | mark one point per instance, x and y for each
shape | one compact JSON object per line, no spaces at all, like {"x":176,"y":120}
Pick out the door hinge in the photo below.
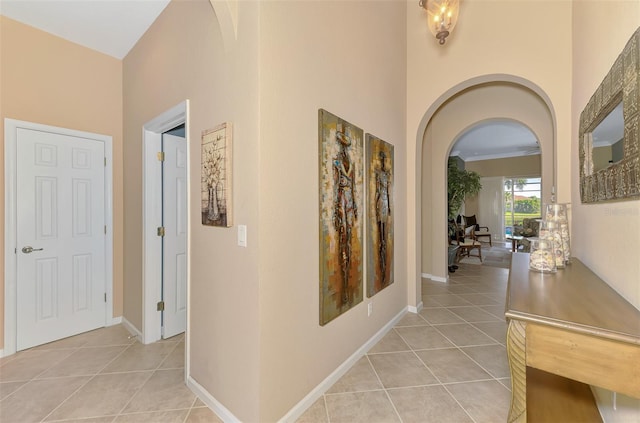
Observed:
{"x":161,"y":156}
{"x":161,"y":231}
{"x":105,"y":297}
{"x":160,"y":306}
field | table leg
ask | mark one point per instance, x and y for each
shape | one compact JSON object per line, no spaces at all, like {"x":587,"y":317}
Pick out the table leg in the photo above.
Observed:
{"x":518,"y":366}
{"x":514,"y":245}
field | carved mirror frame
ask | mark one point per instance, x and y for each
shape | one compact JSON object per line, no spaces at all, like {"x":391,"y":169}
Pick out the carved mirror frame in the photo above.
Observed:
{"x":621,"y":180}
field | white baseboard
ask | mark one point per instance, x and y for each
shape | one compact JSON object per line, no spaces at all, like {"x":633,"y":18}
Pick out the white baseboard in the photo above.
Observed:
{"x":330,"y":380}
{"x":1,"y":353}
{"x":416,"y":309}
{"x":132,"y":329}
{"x":115,"y":321}
{"x":435,"y":278}
{"x":220,"y":410}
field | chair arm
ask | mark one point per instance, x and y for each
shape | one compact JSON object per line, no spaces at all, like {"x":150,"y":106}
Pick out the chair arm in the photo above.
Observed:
{"x":484,"y":227}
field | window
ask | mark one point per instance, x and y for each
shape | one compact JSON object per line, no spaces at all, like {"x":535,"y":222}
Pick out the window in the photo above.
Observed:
{"x":521,"y":200}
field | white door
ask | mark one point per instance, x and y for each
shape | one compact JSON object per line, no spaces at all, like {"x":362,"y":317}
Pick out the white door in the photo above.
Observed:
{"x":174,"y":250}
{"x":60,"y":236}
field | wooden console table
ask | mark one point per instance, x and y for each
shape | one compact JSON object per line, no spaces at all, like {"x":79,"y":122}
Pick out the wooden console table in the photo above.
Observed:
{"x":571,"y":324}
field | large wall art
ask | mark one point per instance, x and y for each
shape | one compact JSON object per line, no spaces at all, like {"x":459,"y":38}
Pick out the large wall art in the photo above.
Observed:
{"x":379,"y":214}
{"x":341,"y":213}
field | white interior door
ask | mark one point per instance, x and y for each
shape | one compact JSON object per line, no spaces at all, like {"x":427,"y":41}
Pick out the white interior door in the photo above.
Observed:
{"x":60,"y":200}
{"x":174,"y":250}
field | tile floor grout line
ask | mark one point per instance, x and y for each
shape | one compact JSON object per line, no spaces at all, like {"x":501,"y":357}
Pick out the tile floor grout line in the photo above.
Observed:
{"x":88,"y":380}
{"x":384,"y":387}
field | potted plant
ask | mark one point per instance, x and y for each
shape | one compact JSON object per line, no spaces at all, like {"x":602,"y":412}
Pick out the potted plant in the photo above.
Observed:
{"x":460,"y":184}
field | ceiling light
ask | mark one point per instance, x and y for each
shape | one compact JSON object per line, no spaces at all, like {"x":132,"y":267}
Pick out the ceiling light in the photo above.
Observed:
{"x":443,"y":15}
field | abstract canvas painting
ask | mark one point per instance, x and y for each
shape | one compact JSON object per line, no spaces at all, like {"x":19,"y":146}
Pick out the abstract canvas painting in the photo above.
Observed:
{"x":341,"y":214}
{"x":216,"y":176}
{"x":380,"y":213}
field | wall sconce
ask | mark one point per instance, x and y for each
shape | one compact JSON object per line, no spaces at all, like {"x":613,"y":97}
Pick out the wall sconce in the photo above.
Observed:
{"x":443,"y":15}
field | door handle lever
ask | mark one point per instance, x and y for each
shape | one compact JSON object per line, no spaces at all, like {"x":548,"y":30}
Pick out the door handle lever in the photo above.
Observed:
{"x":29,"y":249}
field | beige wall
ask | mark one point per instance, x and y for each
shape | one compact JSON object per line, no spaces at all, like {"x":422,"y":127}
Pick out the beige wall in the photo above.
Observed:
{"x":475,"y":105}
{"x":348,"y":58}
{"x":479,"y":50}
{"x":182,"y":56}
{"x":51,"y":81}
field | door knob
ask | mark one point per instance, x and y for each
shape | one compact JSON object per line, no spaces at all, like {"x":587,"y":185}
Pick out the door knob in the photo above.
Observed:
{"x":29,"y":249}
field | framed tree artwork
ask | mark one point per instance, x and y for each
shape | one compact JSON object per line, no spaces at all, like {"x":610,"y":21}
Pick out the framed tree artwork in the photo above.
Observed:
{"x":216,"y":176}
{"x":380,"y":212}
{"x":341,"y":215}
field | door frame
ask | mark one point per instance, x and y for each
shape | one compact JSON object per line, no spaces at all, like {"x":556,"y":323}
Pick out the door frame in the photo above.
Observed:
{"x":11,"y":127}
{"x":151,"y":216}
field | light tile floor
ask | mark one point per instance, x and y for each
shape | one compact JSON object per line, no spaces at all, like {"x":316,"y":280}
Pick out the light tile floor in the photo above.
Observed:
{"x":101,"y":376}
{"x":446,"y":364}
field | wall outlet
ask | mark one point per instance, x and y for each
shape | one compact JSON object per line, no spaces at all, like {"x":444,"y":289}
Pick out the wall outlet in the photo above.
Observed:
{"x":369,"y":309}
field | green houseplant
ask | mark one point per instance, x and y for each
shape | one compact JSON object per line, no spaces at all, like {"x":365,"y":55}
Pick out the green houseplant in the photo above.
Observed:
{"x":460,"y":184}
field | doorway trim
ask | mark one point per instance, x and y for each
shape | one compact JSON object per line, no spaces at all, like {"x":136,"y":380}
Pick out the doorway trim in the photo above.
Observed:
{"x":151,"y":216}
{"x":11,"y":127}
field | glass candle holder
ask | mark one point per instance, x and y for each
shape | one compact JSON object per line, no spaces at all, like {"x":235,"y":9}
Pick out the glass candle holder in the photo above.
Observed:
{"x":556,"y":212}
{"x":552,"y":231}
{"x":542,"y":258}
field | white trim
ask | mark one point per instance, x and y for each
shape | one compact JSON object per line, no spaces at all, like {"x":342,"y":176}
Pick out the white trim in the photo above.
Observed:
{"x":10,"y":221}
{"x":416,"y":309}
{"x":1,"y":353}
{"x":435,"y":278}
{"x":151,"y":250}
{"x":330,"y":380}
{"x":220,"y":410}
{"x":115,"y":321}
{"x":132,"y":329}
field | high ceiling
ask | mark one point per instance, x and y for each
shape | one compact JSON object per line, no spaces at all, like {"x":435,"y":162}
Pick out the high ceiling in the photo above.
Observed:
{"x":112,"y":27}
{"x":495,"y":139}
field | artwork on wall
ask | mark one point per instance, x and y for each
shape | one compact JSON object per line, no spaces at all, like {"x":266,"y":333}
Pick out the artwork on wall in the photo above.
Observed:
{"x":216,"y":176}
{"x":379,"y":214}
{"x":341,"y":213}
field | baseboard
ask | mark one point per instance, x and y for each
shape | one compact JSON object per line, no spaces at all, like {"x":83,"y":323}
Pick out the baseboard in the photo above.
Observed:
{"x":132,"y":329}
{"x":1,"y":353}
{"x":330,"y":380}
{"x":416,"y":309}
{"x":220,"y":410}
{"x":435,"y":278}
{"x":115,"y":321}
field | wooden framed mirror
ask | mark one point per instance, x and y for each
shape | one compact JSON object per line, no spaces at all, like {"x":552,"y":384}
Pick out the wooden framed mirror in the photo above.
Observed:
{"x":609,"y":143}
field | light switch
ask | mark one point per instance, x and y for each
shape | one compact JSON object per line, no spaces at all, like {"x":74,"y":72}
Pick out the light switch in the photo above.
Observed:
{"x":242,"y":235}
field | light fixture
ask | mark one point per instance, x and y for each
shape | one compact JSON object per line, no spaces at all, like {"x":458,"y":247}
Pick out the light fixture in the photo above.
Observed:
{"x":443,"y":15}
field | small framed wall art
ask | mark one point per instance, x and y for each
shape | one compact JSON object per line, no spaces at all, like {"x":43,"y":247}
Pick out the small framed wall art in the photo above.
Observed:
{"x":216,"y":174}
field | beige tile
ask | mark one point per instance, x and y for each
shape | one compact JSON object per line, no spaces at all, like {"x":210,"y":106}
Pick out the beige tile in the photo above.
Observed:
{"x":506,"y":381}
{"x":71,"y":342}
{"x":464,"y":335}
{"x":360,"y":377}
{"x":438,"y":316}
{"x":84,"y":361}
{"x":427,"y":404}
{"x":389,"y":343}
{"x":103,"y":395}
{"x":140,"y":357}
{"x":104,"y":419}
{"x":7,"y":388}
{"x":29,"y":364}
{"x":493,"y":358}
{"x":109,"y":336}
{"x":428,"y":301}
{"x":473,"y":314}
{"x":401,"y":369}
{"x":461,"y":289}
{"x":202,"y":415}
{"x":36,"y":399}
{"x":434,"y":288}
{"x":485,"y":402}
{"x":170,"y":416}
{"x":451,"y":365}
{"x":317,"y":413}
{"x":177,"y":338}
{"x":497,"y":311}
{"x":198,"y":403}
{"x":423,"y":337}
{"x":165,"y":390}
{"x":450,"y":300}
{"x":496,"y":330}
{"x":365,"y":407}
{"x":175,"y":360}
{"x":411,"y":319}
{"x":479,"y":299}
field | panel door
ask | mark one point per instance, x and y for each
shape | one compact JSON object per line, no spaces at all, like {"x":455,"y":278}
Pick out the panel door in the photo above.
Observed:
{"x":174,"y":251}
{"x":60,"y":236}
